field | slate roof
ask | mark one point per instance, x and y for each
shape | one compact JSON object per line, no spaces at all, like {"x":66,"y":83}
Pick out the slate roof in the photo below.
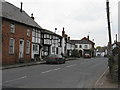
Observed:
{"x":117,"y":43}
{"x":12,"y":12}
{"x":83,"y":41}
{"x":49,"y":32}
{"x":70,"y":42}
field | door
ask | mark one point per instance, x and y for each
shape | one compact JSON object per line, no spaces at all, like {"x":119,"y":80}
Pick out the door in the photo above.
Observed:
{"x":21,"y":48}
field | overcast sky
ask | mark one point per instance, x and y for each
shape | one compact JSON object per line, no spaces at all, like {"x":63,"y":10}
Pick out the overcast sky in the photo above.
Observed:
{"x":79,"y":17}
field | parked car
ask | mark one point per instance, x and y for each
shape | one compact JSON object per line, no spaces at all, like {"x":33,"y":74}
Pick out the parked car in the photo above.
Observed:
{"x":87,"y":55}
{"x":55,"y":58}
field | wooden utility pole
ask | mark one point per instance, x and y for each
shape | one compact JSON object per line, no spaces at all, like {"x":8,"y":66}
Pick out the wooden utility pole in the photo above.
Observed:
{"x":108,"y":20}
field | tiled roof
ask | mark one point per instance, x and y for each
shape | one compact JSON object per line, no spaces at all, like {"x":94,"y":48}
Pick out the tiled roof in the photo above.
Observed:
{"x":12,"y":12}
{"x":69,"y":41}
{"x":49,"y":32}
{"x":83,"y":41}
{"x":117,"y":43}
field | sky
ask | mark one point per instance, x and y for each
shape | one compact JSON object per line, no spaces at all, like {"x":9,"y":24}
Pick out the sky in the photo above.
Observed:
{"x":80,"y":18}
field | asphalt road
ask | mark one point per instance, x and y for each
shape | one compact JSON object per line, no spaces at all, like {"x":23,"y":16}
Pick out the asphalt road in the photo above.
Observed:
{"x":81,"y":73}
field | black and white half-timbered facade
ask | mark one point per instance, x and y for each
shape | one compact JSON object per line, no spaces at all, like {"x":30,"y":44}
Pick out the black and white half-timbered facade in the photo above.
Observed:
{"x":51,"y":43}
{"x":36,"y":43}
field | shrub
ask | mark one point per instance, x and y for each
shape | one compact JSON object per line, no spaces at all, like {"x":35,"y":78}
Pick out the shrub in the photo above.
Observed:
{"x":75,"y":53}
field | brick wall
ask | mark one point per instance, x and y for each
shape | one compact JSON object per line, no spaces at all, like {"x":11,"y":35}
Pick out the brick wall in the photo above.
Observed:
{"x":20,"y":33}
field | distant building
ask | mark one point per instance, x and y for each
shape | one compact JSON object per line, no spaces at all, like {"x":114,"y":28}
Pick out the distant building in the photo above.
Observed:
{"x":84,"y":46}
{"x":17,"y":35}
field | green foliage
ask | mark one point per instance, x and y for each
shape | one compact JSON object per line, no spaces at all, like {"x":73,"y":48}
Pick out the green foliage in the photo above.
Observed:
{"x":75,"y":53}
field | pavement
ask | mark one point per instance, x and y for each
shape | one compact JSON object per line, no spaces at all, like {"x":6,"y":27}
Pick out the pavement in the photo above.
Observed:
{"x":29,"y":64}
{"x":105,"y":81}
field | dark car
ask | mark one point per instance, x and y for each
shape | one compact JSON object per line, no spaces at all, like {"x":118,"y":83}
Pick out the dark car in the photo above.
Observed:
{"x":55,"y":58}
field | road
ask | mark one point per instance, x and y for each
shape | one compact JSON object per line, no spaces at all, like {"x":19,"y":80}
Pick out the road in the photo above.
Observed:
{"x":80,"y":73}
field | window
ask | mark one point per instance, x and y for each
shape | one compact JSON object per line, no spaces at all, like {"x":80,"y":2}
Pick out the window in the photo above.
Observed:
{"x":86,"y":46}
{"x":80,"y":46}
{"x":11,"y":46}
{"x":53,"y":49}
{"x":35,"y":47}
{"x":75,"y":46}
{"x":28,"y":32}
{"x":12,"y":28}
{"x":28,"y":47}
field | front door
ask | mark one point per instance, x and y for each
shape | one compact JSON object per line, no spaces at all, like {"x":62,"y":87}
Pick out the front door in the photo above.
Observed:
{"x":21,"y":48}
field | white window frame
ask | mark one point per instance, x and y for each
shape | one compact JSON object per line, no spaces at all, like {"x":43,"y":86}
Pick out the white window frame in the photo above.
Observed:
{"x":13,"y":46}
{"x":86,"y":46}
{"x":28,"y":32}
{"x":12,"y":28}
{"x":28,"y":47}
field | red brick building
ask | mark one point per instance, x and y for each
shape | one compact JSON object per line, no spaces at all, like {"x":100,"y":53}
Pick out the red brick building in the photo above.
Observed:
{"x":17,"y":28}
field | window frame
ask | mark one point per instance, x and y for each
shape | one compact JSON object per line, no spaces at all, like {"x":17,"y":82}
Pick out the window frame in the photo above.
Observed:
{"x":13,"y":46}
{"x":12,"y":28}
{"x":28,"y":47}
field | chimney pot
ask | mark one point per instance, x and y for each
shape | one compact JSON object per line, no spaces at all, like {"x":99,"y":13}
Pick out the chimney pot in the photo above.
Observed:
{"x":32,"y":16}
{"x":21,"y":6}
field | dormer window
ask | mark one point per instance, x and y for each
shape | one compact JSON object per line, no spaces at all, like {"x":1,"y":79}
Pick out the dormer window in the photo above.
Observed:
{"x":12,"y":28}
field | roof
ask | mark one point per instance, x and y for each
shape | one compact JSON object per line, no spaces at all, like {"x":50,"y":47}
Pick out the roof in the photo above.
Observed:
{"x":49,"y":32}
{"x":70,"y":42}
{"x":117,"y":43}
{"x":83,"y":41}
{"x":9,"y":11}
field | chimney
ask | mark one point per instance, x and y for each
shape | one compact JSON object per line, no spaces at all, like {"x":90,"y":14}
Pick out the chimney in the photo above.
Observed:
{"x":88,"y":37}
{"x":63,"y":32}
{"x":21,"y":7}
{"x":68,"y":38}
{"x":32,"y":16}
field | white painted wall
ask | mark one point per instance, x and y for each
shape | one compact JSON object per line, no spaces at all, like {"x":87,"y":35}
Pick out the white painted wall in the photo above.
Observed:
{"x":35,"y":52}
{"x":63,"y":45}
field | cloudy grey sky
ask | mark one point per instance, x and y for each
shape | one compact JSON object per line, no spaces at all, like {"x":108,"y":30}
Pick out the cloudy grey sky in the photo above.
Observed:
{"x":79,"y":17}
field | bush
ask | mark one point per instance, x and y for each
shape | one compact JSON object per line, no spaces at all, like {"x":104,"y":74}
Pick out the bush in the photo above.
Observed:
{"x":75,"y":53}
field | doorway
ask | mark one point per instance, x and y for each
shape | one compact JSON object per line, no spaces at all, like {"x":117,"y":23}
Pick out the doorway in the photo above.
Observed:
{"x":21,"y":48}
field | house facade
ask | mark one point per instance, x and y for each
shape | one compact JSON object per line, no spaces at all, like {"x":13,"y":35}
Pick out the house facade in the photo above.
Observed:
{"x":51,"y":43}
{"x":67,"y":44}
{"x":17,"y":27}
{"x":70,"y":47}
{"x":84,"y":46}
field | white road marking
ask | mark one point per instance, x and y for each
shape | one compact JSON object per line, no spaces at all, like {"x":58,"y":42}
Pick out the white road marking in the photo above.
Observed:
{"x":100,"y":77}
{"x":71,"y":65}
{"x":51,"y":70}
{"x":15,"y":79}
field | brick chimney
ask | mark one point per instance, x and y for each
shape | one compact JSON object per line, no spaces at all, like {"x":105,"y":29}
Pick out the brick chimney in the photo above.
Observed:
{"x":88,"y":37}
{"x":32,"y":16}
{"x":68,"y":38}
{"x":21,"y":6}
{"x":63,"y":32}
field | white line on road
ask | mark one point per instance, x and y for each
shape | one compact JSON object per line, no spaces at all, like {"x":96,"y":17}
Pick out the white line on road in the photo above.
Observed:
{"x":96,"y":83}
{"x":51,"y":70}
{"x":15,"y":79}
{"x":71,"y":65}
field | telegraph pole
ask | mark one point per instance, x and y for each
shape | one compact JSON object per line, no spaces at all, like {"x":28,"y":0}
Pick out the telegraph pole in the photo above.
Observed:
{"x":108,"y":20}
